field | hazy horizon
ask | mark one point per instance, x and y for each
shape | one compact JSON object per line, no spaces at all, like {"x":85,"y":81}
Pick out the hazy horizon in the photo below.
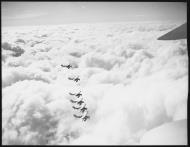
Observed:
{"x":38,"y":13}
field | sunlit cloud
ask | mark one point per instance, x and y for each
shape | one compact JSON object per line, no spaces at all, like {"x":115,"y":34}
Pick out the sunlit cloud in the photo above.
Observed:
{"x":131,"y":83}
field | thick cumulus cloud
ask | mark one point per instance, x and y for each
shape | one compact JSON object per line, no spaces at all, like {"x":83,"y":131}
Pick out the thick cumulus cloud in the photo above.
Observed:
{"x":134,"y":86}
{"x":16,"y":50}
{"x":13,"y":75}
{"x":105,"y":61}
{"x":176,"y":132}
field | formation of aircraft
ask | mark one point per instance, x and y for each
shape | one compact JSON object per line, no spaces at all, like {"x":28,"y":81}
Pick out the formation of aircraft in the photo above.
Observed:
{"x":81,"y":108}
{"x":79,"y":102}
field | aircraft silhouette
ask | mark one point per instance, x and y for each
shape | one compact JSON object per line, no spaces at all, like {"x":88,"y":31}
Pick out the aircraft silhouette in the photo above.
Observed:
{"x":80,"y":102}
{"x":85,"y":118}
{"x":67,"y":66}
{"x":77,"y":101}
{"x":74,"y":79}
{"x":83,"y":109}
{"x":76,"y":94}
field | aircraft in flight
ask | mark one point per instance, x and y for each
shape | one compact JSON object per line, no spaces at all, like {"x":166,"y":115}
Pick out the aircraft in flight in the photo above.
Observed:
{"x":84,"y":117}
{"x":83,"y":108}
{"x":79,"y":102}
{"x":67,"y":66}
{"x":76,"y":94}
{"x":74,"y":79}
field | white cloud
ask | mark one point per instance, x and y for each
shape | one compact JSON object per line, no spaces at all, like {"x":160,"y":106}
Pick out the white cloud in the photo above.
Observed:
{"x":131,"y":83}
{"x":176,"y":133}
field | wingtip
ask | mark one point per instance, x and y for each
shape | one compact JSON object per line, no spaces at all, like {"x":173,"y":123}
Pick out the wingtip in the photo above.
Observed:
{"x":178,"y":33}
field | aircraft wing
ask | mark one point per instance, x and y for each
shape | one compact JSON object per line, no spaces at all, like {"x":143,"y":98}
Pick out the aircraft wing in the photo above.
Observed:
{"x":70,"y":78}
{"x":178,"y":33}
{"x":76,"y":107}
{"x":71,"y":93}
{"x":77,"y":116}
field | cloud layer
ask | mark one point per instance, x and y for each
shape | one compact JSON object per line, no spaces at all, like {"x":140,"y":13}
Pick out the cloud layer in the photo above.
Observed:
{"x":131,"y":83}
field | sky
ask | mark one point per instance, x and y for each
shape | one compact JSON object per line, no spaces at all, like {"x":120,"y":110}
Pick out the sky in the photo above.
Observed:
{"x":55,"y":13}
